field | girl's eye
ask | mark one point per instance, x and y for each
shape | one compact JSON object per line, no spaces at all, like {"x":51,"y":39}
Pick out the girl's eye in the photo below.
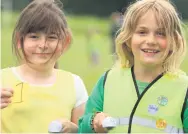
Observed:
{"x":162,"y":34}
{"x":142,"y":32}
{"x":52,"y":37}
{"x":34,"y":36}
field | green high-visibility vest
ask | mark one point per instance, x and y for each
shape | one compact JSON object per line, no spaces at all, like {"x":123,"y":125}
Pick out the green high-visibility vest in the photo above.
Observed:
{"x":157,"y":109}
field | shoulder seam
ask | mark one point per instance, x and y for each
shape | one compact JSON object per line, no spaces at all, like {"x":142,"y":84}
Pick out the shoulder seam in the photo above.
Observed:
{"x":105,"y":76}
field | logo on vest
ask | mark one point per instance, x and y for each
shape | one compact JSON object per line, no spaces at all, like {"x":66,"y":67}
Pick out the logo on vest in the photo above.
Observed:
{"x":162,"y":100}
{"x":152,"y":109}
{"x":161,"y":124}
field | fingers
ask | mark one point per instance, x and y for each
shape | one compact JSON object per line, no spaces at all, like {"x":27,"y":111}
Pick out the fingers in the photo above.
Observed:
{"x":6,"y":92}
{"x":97,"y":122}
{"x":7,"y":89}
{"x":69,"y":127}
{"x":3,"y":105}
{"x":6,"y":100}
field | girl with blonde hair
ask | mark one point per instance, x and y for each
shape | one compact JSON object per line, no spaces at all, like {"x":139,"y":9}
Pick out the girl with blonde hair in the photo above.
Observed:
{"x":145,"y":91}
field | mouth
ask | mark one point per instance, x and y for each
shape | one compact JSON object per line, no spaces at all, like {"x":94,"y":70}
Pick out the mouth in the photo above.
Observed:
{"x":42,"y":53}
{"x":153,"y":51}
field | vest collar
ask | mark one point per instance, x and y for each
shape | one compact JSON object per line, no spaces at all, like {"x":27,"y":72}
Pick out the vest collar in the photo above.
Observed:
{"x":135,"y":84}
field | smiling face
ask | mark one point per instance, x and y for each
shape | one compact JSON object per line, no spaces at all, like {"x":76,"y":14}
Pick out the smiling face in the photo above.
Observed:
{"x":149,"y":42}
{"x":40,"y":48}
{"x":35,"y":39}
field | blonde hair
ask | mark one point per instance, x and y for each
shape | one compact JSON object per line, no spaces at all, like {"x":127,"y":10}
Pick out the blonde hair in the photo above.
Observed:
{"x":167,"y":17}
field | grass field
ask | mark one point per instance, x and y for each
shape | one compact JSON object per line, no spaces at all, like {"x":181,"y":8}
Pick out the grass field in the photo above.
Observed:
{"x":76,"y":58}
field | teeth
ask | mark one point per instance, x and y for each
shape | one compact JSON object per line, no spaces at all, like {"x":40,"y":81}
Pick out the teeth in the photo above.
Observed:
{"x":150,"y":51}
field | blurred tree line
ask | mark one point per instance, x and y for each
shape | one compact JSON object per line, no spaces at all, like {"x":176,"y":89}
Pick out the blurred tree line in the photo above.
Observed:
{"x":92,"y":7}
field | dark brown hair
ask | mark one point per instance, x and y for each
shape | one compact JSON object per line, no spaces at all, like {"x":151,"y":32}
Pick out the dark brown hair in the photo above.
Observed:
{"x":39,"y":16}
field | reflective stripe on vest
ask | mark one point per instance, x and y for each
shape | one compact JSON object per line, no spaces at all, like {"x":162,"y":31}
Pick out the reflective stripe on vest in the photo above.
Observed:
{"x":140,"y":121}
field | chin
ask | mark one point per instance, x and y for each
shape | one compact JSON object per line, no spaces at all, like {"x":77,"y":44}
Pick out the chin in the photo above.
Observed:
{"x":150,"y":63}
{"x":40,"y":63}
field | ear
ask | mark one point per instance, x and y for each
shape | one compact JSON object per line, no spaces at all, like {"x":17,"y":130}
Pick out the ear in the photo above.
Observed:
{"x":19,"y":44}
{"x":67,"y":42}
{"x":127,"y":45}
{"x":18,"y":40}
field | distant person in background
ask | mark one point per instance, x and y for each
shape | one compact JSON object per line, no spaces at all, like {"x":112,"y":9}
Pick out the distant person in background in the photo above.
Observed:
{"x":36,"y":97}
{"x":145,"y":92}
{"x":93,"y":45}
{"x":116,"y":23}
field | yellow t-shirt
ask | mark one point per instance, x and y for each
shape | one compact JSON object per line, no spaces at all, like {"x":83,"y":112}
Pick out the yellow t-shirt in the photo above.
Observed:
{"x":34,"y":107}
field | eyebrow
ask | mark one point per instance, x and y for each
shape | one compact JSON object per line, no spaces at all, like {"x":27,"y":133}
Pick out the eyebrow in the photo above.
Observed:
{"x":161,"y":29}
{"x":40,"y":32}
{"x":141,"y":27}
{"x":144,"y":27}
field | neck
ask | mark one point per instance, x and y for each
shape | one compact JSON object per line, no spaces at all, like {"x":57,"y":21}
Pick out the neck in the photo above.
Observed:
{"x":145,"y":74}
{"x":36,"y":75}
{"x":40,"y":72}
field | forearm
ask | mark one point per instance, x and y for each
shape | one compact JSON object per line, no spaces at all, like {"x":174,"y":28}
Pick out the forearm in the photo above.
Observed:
{"x":94,"y":104}
{"x":85,"y":124}
{"x":85,"y":121}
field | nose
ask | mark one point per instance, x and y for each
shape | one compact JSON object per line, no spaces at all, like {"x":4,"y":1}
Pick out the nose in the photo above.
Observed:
{"x":43,"y":44}
{"x":151,"y":39}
